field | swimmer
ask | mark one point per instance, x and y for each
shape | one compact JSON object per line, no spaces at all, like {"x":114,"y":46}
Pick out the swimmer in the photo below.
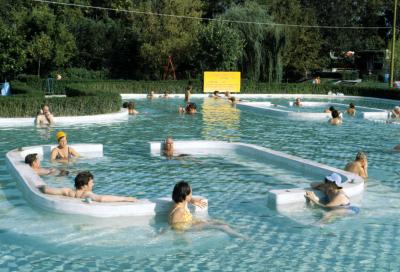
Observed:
{"x":395,"y":112}
{"x":330,"y":109}
{"x":34,"y":162}
{"x":44,"y":116}
{"x":359,"y":166}
{"x":216,"y":95}
{"x":63,"y":153}
{"x":297,"y":102}
{"x":84,"y":184}
{"x":168,"y":148}
{"x":228,"y":95}
{"x":125,"y":105}
{"x":181,"y":219}
{"x":150,"y":95}
{"x":188,"y":92}
{"x":131,"y":109}
{"x":190,"y":108}
{"x":335,"y":120}
{"x":351,"y":110}
{"x":166,"y":95}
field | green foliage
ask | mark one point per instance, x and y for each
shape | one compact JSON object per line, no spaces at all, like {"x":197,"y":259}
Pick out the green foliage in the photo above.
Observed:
{"x":262,"y":55}
{"x":219,"y":48}
{"x":27,"y":101}
{"x":12,"y":52}
{"x":80,"y":74}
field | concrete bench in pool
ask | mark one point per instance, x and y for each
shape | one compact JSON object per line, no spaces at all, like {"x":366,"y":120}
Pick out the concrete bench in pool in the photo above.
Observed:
{"x":28,"y":182}
{"x":353,"y":186}
{"x":122,"y":115}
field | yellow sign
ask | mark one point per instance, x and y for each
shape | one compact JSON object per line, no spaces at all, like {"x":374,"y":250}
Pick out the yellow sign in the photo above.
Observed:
{"x":222,"y":82}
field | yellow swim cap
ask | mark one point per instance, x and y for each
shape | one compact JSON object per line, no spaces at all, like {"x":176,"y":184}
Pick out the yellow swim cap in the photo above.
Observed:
{"x":60,"y":134}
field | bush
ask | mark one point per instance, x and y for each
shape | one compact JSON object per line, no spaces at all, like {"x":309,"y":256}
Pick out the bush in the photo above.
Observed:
{"x":81,"y":74}
{"x":27,"y":102}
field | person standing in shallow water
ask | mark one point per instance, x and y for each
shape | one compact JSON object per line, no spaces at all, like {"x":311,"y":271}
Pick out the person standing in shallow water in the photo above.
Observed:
{"x":351,"y":110}
{"x":63,"y":153}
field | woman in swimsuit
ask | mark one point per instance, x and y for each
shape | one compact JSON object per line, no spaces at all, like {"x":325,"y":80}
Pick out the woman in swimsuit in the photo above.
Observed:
{"x":63,"y":153}
{"x":180,"y":217}
{"x":84,"y":183}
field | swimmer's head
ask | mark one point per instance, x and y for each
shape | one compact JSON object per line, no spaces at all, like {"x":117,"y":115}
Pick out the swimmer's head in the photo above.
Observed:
{"x":30,"y":159}
{"x":125,"y":105}
{"x":352,"y":106}
{"x":83,"y":178}
{"x":131,"y":105}
{"x":334,"y":179}
{"x":168,"y":144}
{"x":361,"y":156}
{"x":397,"y":109}
{"x":60,"y":135}
{"x":331,"y":108}
{"x":191,"y":107}
{"x":216,"y":92}
{"x":181,"y":192}
{"x":335,"y":114}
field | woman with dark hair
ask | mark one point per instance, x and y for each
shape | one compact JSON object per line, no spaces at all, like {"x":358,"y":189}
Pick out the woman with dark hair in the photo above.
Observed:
{"x":351,"y":109}
{"x":335,"y":120}
{"x":180,"y":217}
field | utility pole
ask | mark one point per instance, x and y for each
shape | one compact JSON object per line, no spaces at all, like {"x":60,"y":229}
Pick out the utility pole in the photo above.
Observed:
{"x":393,"y":44}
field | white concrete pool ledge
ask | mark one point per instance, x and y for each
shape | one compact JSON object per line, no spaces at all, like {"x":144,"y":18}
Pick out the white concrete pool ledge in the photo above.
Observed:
{"x":28,"y":182}
{"x":121,"y":115}
{"x":353,"y":186}
{"x":287,"y":112}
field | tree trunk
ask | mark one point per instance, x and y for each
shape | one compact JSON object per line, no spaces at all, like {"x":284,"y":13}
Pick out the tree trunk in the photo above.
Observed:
{"x":38,"y":71}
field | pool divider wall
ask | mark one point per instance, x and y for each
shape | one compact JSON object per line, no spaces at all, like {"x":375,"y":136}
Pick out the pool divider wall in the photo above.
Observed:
{"x":28,"y":182}
{"x":353,"y":186}
{"x":122,"y":115}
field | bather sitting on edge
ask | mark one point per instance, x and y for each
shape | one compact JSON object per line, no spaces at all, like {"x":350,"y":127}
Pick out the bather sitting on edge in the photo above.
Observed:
{"x":359,"y":166}
{"x":84,"y":184}
{"x":34,"y":162}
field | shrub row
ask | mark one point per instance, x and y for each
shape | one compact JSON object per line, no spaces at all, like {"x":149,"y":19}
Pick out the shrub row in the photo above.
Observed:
{"x":26,"y":102}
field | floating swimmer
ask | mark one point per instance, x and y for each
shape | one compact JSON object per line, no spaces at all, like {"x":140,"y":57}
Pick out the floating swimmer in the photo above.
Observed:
{"x":63,"y":153}
{"x":84,"y":183}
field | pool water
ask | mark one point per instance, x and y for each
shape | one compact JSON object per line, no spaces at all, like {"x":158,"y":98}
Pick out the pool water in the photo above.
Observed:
{"x":236,"y":187}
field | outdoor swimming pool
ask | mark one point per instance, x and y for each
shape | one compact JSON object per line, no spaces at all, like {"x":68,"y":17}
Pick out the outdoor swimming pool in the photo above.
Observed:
{"x":34,"y":239}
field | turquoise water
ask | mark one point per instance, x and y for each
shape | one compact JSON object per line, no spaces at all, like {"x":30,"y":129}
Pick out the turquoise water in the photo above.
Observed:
{"x":32,"y":239}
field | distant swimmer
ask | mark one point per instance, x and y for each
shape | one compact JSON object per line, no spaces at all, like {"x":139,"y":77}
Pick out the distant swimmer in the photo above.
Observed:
{"x":190,"y":108}
{"x":216,"y":95}
{"x":297,"y":102}
{"x":227,"y":94}
{"x":330,"y":109}
{"x":395,"y":112}
{"x":335,"y":120}
{"x":168,"y":148}
{"x":359,"y":166}
{"x":63,"y":153}
{"x":131,"y":108}
{"x":44,"y":116}
{"x":150,"y":95}
{"x":188,"y":92}
{"x":34,"y":162}
{"x":84,"y":183}
{"x":351,"y":110}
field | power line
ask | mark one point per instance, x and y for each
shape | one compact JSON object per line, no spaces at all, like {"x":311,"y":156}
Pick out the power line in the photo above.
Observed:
{"x":207,"y":19}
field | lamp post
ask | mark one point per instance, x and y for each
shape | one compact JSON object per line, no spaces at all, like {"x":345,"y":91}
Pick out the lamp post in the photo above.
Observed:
{"x":393,"y":44}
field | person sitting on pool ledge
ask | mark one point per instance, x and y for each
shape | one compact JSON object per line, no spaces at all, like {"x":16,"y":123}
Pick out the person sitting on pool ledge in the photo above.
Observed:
{"x":359,"y":166}
{"x":297,"y":102}
{"x":34,"y":162}
{"x":84,"y":184}
{"x":335,"y":120}
{"x":351,"y":109}
{"x":332,"y":189}
{"x":63,"y":153}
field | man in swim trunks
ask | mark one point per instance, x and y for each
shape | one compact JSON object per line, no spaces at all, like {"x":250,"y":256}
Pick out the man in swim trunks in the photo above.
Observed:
{"x":44,"y":117}
{"x":359,"y":166}
{"x":84,"y":183}
{"x":34,"y":162}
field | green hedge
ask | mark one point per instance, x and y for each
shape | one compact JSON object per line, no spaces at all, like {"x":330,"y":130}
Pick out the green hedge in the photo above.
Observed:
{"x":26,"y":102}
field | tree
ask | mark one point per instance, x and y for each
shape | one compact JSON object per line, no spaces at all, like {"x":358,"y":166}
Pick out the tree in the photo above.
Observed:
{"x":262,"y":54}
{"x":162,"y":36}
{"x":219,"y":47}
{"x":40,"y":49}
{"x":12,"y":52}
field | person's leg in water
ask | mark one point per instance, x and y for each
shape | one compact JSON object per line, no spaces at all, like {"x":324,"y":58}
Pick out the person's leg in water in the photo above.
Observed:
{"x":218,"y":225}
